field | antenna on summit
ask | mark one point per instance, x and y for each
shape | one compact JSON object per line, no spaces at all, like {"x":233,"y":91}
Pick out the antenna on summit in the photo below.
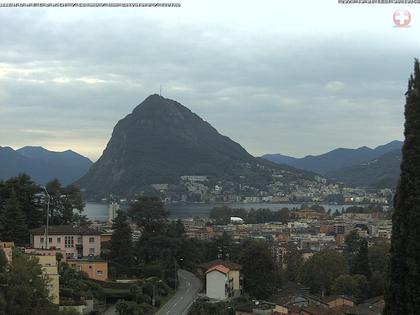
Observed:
{"x":160,"y":90}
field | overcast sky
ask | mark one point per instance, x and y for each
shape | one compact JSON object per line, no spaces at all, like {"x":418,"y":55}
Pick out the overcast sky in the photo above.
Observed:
{"x":290,"y":76}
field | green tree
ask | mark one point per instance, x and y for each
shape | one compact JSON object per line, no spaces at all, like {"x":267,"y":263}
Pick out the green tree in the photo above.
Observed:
{"x":121,"y":244}
{"x":361,"y":262}
{"x":3,"y":261}
{"x":25,"y":190}
{"x":132,"y":308}
{"x":175,"y":229}
{"x":355,"y":286}
{"x":63,"y":202}
{"x":14,"y":228}
{"x":149,"y":213}
{"x":352,"y":246}
{"x":345,"y":284}
{"x":259,"y":269}
{"x":69,"y":311}
{"x":320,"y":270}
{"x":352,"y":242}
{"x":293,"y":261}
{"x":376,"y":284}
{"x":403,"y":290}
{"x":379,"y":257}
{"x":24,"y":288}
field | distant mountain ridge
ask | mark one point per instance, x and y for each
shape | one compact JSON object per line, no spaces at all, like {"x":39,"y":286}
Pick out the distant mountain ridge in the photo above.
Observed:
{"x":335,"y":159}
{"x":343,"y":164}
{"x":160,"y":141}
{"x":42,"y":165}
{"x":382,"y":172}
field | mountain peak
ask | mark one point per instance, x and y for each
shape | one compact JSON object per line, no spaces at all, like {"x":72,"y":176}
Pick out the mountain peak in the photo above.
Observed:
{"x":157,"y":101}
{"x":158,"y":142}
{"x":42,"y":165}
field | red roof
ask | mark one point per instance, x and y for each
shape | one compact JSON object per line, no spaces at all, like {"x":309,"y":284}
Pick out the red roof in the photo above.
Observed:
{"x":219,"y":268}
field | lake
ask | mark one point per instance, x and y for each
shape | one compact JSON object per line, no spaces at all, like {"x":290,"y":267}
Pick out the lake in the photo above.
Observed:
{"x":99,"y":211}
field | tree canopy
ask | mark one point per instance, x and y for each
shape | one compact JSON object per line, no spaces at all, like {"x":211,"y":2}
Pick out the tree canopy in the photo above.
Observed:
{"x":320,"y":271}
{"x":149,"y":213}
{"x":259,"y":269}
{"x":23,"y":288}
{"x":403,"y":290}
{"x":121,"y":244}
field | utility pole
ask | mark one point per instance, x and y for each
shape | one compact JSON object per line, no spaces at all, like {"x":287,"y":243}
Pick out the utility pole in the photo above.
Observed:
{"x":176,"y":272}
{"x":48,"y":214}
{"x":176,"y":275}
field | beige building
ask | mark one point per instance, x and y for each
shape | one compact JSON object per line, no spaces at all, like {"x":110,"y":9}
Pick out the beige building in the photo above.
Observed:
{"x":76,"y":242}
{"x":49,"y":268}
{"x":7,"y":248}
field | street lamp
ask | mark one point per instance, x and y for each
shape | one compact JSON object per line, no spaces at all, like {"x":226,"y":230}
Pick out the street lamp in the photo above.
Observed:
{"x":48,"y":213}
{"x":176,"y":272}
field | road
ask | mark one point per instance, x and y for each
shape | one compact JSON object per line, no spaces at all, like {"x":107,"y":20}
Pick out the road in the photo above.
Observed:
{"x":111,"y":310}
{"x":189,"y":286}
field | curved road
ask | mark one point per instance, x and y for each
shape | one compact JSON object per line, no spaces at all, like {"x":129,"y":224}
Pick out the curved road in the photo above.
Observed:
{"x":179,"y":304}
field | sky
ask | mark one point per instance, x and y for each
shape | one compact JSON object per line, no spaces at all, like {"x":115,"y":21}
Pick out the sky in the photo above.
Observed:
{"x":292,"y":76}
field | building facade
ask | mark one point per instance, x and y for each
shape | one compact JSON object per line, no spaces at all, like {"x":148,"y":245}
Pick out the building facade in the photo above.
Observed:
{"x":95,"y":269}
{"x":223,"y":282}
{"x":76,"y":242}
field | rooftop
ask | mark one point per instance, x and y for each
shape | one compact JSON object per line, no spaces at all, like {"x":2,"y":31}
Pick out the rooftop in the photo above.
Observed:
{"x":219,"y":268}
{"x":65,"y":230}
{"x":228,"y":264}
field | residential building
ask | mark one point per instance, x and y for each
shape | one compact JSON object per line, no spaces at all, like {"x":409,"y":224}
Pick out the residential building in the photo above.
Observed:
{"x":77,"y":242}
{"x":113,"y":208}
{"x":7,"y":248}
{"x":106,"y":235}
{"x":95,"y":269}
{"x":47,"y":252}
{"x":49,"y":268}
{"x":223,"y":280}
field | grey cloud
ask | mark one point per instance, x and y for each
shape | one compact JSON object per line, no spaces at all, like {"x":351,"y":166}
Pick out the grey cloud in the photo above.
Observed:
{"x":269,"y":94}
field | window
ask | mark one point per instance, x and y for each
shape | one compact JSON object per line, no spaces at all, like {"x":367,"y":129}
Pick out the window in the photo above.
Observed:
{"x":69,"y":241}
{"x":91,"y":240}
{"x":99,"y":272}
{"x":79,"y":239}
{"x":50,"y":240}
{"x":91,"y":251}
{"x":58,"y":240}
{"x":41,"y":240}
{"x":90,"y":267}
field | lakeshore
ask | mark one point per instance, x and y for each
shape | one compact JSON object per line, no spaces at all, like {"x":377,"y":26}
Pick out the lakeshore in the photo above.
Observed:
{"x":99,"y":211}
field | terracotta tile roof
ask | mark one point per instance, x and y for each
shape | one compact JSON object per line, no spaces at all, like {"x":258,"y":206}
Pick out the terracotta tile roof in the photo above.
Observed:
{"x":219,"y":268}
{"x":228,"y":264}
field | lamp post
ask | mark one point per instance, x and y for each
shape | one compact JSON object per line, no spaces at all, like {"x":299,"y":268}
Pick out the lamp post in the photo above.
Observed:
{"x":48,"y":214}
{"x":176,"y":272}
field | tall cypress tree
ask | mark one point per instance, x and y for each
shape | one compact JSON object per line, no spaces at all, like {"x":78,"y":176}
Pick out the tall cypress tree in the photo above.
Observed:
{"x":361,"y":262}
{"x":403,"y":287}
{"x":121,"y":244}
